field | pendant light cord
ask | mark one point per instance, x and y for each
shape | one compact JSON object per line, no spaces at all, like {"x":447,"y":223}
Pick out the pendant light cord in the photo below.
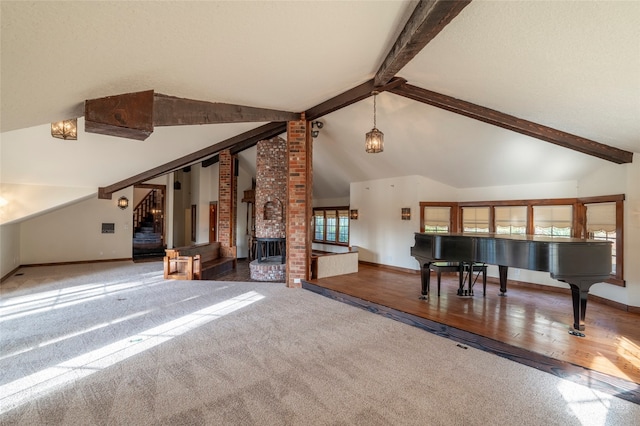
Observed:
{"x":374,"y":110}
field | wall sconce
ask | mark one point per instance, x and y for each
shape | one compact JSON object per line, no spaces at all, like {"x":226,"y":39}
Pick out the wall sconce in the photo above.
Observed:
{"x":67,"y":129}
{"x":405,"y":213}
{"x":123,"y":202}
{"x":353,"y":214}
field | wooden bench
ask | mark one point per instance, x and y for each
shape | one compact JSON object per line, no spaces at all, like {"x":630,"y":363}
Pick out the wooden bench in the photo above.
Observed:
{"x":198,"y":262}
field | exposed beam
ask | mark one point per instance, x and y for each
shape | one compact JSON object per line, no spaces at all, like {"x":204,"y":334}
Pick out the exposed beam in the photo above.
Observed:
{"x":266,"y":131}
{"x":246,"y":140}
{"x":427,"y":20}
{"x":509,"y":122}
{"x":134,"y":115}
{"x":349,"y":97}
{"x":125,"y":116}
{"x":172,"y":111}
{"x":210,"y":161}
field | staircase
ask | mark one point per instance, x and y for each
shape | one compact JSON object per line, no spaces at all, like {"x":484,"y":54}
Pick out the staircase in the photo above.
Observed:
{"x":148,"y":223}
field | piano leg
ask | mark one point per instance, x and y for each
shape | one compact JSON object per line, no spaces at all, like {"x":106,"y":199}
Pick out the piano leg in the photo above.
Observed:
{"x":502,"y":273}
{"x":461,"y":279}
{"x":425,"y":274}
{"x":484,"y":280}
{"x":579,"y":296}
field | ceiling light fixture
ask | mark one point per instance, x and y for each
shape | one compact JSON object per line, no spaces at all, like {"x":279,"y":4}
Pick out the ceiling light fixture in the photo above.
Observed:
{"x":374,"y":141}
{"x":67,"y":129}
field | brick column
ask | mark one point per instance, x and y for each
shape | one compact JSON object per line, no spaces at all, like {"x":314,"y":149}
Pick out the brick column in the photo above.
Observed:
{"x":299,"y":207}
{"x":227,"y":199}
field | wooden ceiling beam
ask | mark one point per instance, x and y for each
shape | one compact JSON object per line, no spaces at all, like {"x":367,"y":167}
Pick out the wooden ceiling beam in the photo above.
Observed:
{"x":126,"y":116}
{"x":515,"y":124}
{"x":210,"y":161}
{"x":134,"y":115}
{"x":349,"y":97}
{"x":427,"y":20}
{"x":266,"y":131}
{"x":246,"y":140}
{"x":172,"y":111}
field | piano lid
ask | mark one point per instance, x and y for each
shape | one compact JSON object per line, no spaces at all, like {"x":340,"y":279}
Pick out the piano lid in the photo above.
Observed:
{"x":536,"y":238}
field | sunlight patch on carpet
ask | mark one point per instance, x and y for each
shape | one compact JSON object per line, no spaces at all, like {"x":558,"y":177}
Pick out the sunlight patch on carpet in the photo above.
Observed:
{"x":76,"y":334}
{"x":588,"y":405}
{"x":21,"y":306}
{"x":35,"y":385}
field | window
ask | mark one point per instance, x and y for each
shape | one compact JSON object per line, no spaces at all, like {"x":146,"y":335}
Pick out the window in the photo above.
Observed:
{"x":438,"y":216}
{"x":343,"y":226}
{"x":318,"y":226}
{"x":601,"y":225}
{"x":475,"y":219}
{"x":554,"y":221}
{"x":511,"y":220}
{"x":331,"y":225}
{"x":436,"y":219}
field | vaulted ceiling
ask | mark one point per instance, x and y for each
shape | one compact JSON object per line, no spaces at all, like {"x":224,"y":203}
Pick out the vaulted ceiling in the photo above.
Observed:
{"x":569,"y":66}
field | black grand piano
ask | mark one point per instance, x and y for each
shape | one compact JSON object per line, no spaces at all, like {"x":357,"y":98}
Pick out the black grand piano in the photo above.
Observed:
{"x":578,"y":262}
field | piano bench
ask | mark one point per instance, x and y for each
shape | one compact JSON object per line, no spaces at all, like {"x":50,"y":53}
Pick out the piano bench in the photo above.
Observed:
{"x":440,"y":267}
{"x":460,"y":268}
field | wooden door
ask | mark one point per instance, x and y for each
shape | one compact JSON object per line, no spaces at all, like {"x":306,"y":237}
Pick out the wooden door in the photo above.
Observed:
{"x":213,"y":222}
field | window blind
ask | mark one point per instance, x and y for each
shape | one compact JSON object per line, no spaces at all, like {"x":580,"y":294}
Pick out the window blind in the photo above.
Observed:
{"x":511,"y":216}
{"x":437,"y":216}
{"x":557,"y":216}
{"x":471,"y":216}
{"x":601,"y":217}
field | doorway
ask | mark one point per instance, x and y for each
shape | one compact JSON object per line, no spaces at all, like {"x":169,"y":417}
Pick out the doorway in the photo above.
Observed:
{"x":149,"y":239}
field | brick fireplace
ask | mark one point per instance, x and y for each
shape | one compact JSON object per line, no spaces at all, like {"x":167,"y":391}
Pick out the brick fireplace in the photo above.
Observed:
{"x":270,"y":210}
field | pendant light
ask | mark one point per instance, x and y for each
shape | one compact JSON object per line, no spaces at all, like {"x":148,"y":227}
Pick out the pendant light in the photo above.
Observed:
{"x":374,"y":141}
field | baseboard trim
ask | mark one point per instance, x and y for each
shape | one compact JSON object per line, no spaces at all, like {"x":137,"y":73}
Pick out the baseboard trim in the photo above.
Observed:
{"x":7,"y":276}
{"x":77,"y":262}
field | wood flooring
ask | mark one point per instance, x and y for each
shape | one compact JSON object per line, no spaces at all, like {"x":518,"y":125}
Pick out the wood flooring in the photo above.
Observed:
{"x":529,"y":323}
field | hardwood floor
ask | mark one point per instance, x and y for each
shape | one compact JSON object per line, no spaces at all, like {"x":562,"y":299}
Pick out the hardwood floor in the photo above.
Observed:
{"x":528,"y":322}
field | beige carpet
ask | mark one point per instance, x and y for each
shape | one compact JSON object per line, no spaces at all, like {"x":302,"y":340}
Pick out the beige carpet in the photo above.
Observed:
{"x":115,"y":344}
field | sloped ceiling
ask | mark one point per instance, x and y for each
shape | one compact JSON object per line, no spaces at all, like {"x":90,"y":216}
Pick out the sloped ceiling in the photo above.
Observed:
{"x":573,"y":66}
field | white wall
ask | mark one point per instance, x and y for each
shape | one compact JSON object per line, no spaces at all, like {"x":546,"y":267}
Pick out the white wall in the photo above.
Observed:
{"x":181,"y":202}
{"x":331,"y":202}
{"x":9,"y":248}
{"x":74,"y":233}
{"x":25,"y":201}
{"x":242,"y":232}
{"x":380,"y":233}
{"x":632,"y":233}
{"x":519,"y":192}
{"x":201,"y":196}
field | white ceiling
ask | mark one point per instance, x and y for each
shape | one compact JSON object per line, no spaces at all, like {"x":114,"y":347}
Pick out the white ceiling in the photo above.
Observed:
{"x":570,"y":65}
